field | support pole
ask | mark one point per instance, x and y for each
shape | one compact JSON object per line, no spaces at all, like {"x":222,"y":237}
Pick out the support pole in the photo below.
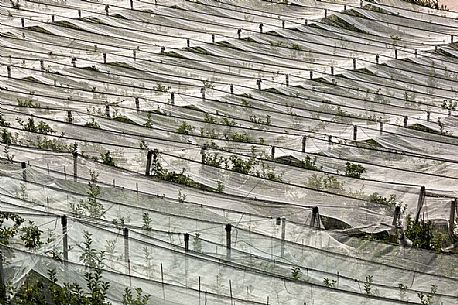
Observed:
{"x":202,"y":90}
{"x":126,"y":245}
{"x":416,"y":52}
{"x":69,"y":116}
{"x":283,"y":231}
{"x":64,"y":237}
{"x":107,"y":9}
{"x":79,"y":14}
{"x":304,"y":139}
{"x":131,"y":4}
{"x":42,"y":65}
{"x":134,"y":54}
{"x":421,"y":201}
{"x":260,"y":27}
{"x":24,"y":171}
{"x":451,"y":222}
{"x":428,"y":115}
{"x":330,"y":139}
{"x":228,"y":240}
{"x":75,"y":166}
{"x":355,"y":132}
{"x":405,"y":121}
{"x":258,"y":82}
{"x":74,"y":62}
{"x":137,"y":104}
{"x":213,"y":38}
{"x":311,"y":74}
{"x":203,"y":153}
{"x":148,"y":162}
{"x":172,"y":98}
{"x":283,"y":24}
{"x":186,"y":242}
{"x":162,"y":50}
{"x":287,"y":80}
{"x":315,"y":221}
{"x":395,"y":53}
{"x":107,"y":110}
{"x":231,"y":88}
{"x":2,"y":280}
{"x":325,"y":13}
{"x":354,"y":63}
{"x":22,"y":22}
{"x":188,"y":42}
{"x":272,"y":152}
{"x":377,"y":59}
{"x":397,"y":216}
{"x":8,"y":71}
{"x":239,"y":33}
{"x":381,"y":127}
{"x":104,"y":57}
{"x":332,"y":70}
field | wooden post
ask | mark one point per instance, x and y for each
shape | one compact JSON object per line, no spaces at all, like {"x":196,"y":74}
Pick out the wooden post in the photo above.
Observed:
{"x":239,"y":33}
{"x":416,"y":52}
{"x":306,"y":22}
{"x":213,"y":38}
{"x":186,"y":242}
{"x":64,"y":237}
{"x":228,"y":240}
{"x":283,"y":231}
{"x":162,"y":50}
{"x":283,"y":24}
{"x":428,"y":115}
{"x":74,"y":62}
{"x":231,"y":88}
{"x":107,"y":110}
{"x":377,"y":59}
{"x":203,"y":153}
{"x":69,"y":116}
{"x":148,"y":162}
{"x":451,"y":39}
{"x":330,"y":139}
{"x":104,"y":57}
{"x":172,"y":98}
{"x":345,"y":7}
{"x":8,"y":71}
{"x":75,"y":166}
{"x":188,"y":42}
{"x":304,"y":139}
{"x":405,"y":121}
{"x":202,"y":90}
{"x":22,"y":22}
{"x":131,"y":4}
{"x":311,"y":74}
{"x":134,"y":54}
{"x":162,"y":281}
{"x":332,"y":70}
{"x":24,"y":171}
{"x":258,"y":82}
{"x":260,"y":27}
{"x":451,"y":221}
{"x":126,"y":245}
{"x":272,"y":152}
{"x":421,"y":201}
{"x":395,"y":53}
{"x":3,"y":298}
{"x":199,"y":290}
{"x":315,"y":221}
{"x":230,"y":292}
{"x":354,"y":63}
{"x":137,"y":104}
{"x":79,"y":14}
{"x":397,"y":216}
{"x":355,"y":132}
{"x":381,"y":127}
{"x":107,"y":9}
{"x":287,"y":80}
{"x":52,"y":18}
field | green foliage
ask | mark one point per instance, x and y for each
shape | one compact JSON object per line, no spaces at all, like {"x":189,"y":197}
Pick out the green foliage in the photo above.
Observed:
{"x":161,"y":88}
{"x":92,"y":124}
{"x":209,"y":119}
{"x":227,"y":122}
{"x":377,"y":198}
{"x":325,"y":182}
{"x":295,"y":46}
{"x":242,"y":166}
{"x":354,"y":170}
{"x":215,"y":160}
{"x":402,"y":292}
{"x":149,"y":120}
{"x":27,"y":103}
{"x":147,"y":222}
{"x":420,"y":233}
{"x":368,"y":284}
{"x":426,"y":3}
{"x":8,"y":232}
{"x":185,"y":128}
{"x":107,"y":159}
{"x":52,"y":144}
{"x":428,"y":299}
{"x":240,"y":137}
{"x":197,"y":243}
{"x":220,"y":187}
{"x":208,"y":84}
{"x":181,"y":197}
{"x":91,"y":206}
{"x":41,"y":127}
{"x":7,"y":138}
{"x":31,"y":236}
{"x":3,"y":123}
{"x":310,"y":164}
{"x":296,"y":273}
{"x":449,"y":104}
{"x":139,"y":299}
{"x":329,"y":283}
{"x":256,"y":120}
